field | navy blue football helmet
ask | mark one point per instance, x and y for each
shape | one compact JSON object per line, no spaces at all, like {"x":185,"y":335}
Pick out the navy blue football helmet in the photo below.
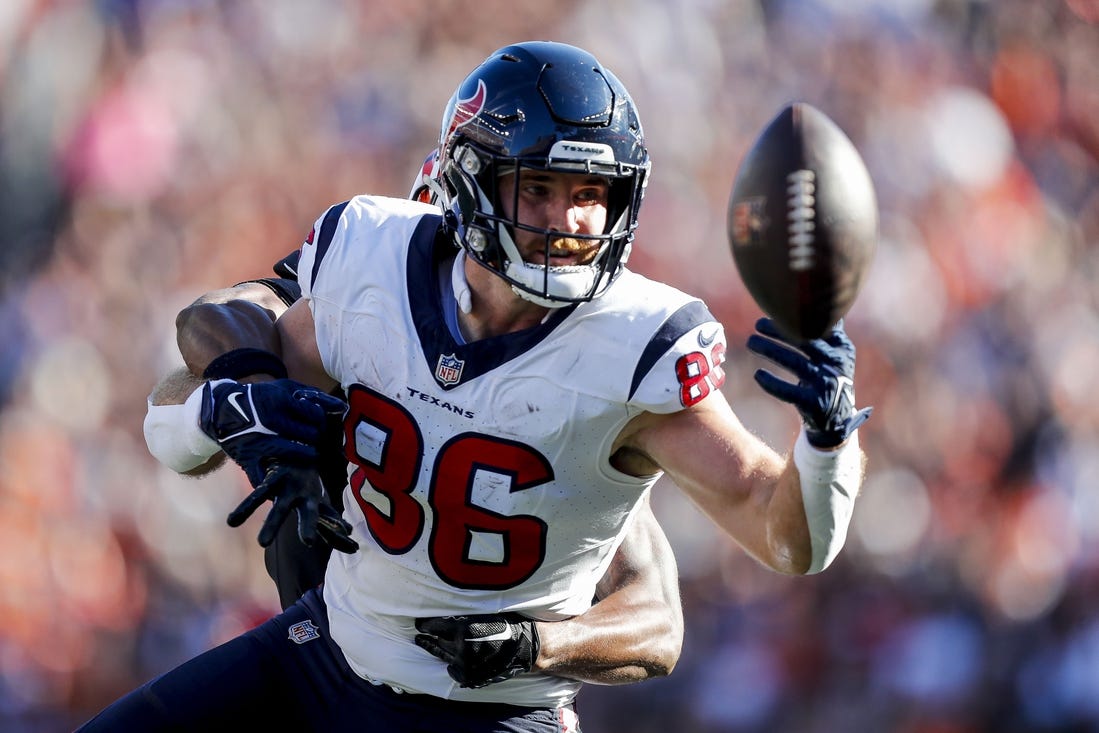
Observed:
{"x":549,"y":107}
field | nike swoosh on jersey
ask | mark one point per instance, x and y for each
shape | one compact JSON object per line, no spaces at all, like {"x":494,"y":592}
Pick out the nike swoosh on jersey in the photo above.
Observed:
{"x":704,"y":340}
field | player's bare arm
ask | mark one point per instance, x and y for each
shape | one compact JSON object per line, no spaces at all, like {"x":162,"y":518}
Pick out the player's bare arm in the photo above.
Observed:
{"x":729,"y":473}
{"x":635,"y":631}
{"x":217,"y":322}
{"x":230,"y":318}
{"x":791,"y":514}
{"x":298,"y":342}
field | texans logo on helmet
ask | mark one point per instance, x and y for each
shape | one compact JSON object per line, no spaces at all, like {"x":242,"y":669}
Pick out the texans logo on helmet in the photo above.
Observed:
{"x":466,"y":109}
{"x":420,"y":190}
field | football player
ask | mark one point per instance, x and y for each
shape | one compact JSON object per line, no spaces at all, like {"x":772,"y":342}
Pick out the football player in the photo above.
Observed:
{"x":641,"y":580}
{"x":513,"y":392}
{"x":635,"y":630}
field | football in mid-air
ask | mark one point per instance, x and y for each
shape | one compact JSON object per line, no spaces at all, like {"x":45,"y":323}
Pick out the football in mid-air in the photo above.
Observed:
{"x":803,"y":221}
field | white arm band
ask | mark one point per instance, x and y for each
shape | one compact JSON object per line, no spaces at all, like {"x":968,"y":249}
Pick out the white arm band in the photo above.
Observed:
{"x":174,"y":437}
{"x":829,"y":484}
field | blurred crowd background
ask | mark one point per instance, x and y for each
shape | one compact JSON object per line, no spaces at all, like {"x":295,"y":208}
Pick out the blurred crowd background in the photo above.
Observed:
{"x":154,"y":149}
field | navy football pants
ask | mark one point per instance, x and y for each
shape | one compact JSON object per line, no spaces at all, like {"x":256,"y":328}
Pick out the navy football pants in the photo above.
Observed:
{"x":266,"y":680}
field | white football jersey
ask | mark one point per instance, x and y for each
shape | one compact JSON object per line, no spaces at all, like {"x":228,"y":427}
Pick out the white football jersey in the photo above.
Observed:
{"x":480,"y":477}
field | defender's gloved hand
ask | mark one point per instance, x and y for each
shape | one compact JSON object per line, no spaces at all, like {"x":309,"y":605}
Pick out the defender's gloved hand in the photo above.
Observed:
{"x":256,"y":424}
{"x":272,"y":430}
{"x":296,"y":488}
{"x":481,"y":650}
{"x":825,"y":391}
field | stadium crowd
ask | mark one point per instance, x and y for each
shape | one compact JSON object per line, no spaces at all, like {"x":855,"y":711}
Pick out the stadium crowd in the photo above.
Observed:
{"x":154,"y":149}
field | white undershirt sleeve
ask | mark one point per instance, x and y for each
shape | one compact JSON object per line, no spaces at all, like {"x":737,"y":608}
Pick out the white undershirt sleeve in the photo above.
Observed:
{"x":174,"y":437}
{"x":829,"y":484}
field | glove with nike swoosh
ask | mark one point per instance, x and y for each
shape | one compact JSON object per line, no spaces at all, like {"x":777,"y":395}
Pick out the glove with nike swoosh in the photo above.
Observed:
{"x":483,"y":649}
{"x":272,"y":430}
{"x":825,"y":391}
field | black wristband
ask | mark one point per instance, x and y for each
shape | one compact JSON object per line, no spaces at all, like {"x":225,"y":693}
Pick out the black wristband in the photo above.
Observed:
{"x":245,"y":362}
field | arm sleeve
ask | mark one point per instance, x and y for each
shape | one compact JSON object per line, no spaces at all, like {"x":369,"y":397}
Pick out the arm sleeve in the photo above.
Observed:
{"x":174,"y":437}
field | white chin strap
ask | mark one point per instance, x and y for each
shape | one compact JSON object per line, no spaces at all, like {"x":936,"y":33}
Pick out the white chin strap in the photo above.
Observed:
{"x":459,"y":283}
{"x":566,"y":283}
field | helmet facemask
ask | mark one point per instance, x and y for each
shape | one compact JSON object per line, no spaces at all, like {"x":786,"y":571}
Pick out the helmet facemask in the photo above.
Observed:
{"x":488,"y":234}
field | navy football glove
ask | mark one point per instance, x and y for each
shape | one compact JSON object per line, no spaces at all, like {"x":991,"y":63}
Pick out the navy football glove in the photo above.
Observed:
{"x":825,"y":390}
{"x":480,"y":650}
{"x":272,"y":430}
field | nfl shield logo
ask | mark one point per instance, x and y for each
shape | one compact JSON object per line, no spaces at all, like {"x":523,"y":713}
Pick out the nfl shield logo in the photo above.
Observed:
{"x":449,"y":370}
{"x":303,"y":631}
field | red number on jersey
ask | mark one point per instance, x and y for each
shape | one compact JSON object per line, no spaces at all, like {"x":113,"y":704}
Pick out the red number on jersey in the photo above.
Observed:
{"x":383,"y":441}
{"x":457,"y":519}
{"x":698,"y":375}
{"x":385,"y":444}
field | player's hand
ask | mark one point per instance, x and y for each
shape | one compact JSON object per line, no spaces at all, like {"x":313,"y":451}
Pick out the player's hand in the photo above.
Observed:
{"x":481,"y":650}
{"x":825,"y":391}
{"x":273,"y":430}
{"x":298,"y":489}
{"x":256,"y":424}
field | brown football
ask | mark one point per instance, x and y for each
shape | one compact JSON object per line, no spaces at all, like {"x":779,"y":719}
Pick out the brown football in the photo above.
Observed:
{"x":803,"y":221}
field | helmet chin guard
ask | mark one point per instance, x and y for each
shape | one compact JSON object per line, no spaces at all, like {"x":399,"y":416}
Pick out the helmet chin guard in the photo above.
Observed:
{"x":559,"y":286}
{"x":547,"y":107}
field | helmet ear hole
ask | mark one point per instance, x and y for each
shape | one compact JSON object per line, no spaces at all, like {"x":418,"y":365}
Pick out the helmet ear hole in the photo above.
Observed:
{"x":477,"y":240}
{"x":550,"y":107}
{"x":469,"y":160}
